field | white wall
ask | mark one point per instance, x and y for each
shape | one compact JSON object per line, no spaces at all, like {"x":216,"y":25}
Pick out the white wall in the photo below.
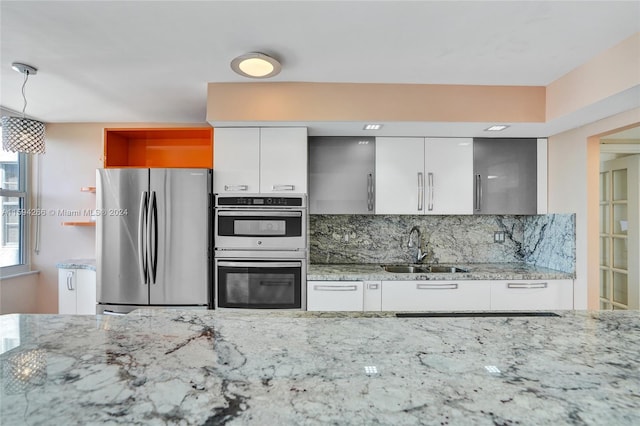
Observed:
{"x":19,"y":294}
{"x":73,"y":152}
{"x":574,"y":158}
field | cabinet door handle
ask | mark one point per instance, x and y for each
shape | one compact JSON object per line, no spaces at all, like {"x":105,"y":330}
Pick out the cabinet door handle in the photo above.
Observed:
{"x":70,"y":280}
{"x":373,"y":286}
{"x":527,"y":285}
{"x":236,"y":187}
{"x":283,"y":187}
{"x":335,"y":288}
{"x":451,"y":286}
{"x":478,"y":192}
{"x":420,"y":191}
{"x":370,"y":192}
{"x":431,"y":189}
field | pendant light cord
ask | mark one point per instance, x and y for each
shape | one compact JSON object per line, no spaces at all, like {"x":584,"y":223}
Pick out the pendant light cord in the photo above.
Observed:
{"x":24,"y":97}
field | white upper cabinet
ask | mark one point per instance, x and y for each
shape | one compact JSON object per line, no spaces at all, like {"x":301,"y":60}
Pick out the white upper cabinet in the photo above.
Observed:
{"x":236,"y":160}
{"x":283,"y":160}
{"x":424,"y":176}
{"x":448,"y":174}
{"x":260,"y":160}
{"x":399,"y":173}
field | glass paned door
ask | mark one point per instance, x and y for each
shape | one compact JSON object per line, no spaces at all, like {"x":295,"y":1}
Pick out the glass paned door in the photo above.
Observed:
{"x":613,"y":239}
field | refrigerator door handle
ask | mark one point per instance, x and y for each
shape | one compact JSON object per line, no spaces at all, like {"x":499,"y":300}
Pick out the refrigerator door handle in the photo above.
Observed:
{"x":152,"y":238}
{"x":142,"y":227}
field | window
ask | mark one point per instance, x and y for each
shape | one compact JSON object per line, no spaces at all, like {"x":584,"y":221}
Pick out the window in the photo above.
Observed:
{"x":13,"y":218}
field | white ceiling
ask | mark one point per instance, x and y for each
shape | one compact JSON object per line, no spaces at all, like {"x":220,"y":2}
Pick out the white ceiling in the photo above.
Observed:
{"x":149,"y":61}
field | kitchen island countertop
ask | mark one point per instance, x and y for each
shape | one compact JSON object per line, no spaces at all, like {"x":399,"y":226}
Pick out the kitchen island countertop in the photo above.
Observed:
{"x":291,"y":368}
{"x":476,"y":271}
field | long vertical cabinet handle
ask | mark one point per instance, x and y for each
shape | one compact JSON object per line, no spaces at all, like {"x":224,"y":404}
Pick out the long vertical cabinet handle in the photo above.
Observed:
{"x":143,"y":217}
{"x":478,"y":192}
{"x":152,"y":237}
{"x":370,"y":192}
{"x":420,"y":191}
{"x":70,"y":280}
{"x":431,"y":188}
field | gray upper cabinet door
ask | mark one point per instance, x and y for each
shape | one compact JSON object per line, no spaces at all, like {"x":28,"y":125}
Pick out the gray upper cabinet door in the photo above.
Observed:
{"x":505,"y":176}
{"x":341,"y":175}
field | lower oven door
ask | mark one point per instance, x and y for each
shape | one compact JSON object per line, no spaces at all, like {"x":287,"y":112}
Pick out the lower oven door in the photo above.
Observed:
{"x":260,"y":284}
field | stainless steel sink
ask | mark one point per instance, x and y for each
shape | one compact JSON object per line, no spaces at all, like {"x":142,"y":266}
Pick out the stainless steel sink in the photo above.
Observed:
{"x":404,"y":269}
{"x":416,"y":269}
{"x":446,"y":269}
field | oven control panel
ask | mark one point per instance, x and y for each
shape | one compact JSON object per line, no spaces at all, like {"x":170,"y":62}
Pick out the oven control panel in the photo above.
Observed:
{"x":260,"y":201}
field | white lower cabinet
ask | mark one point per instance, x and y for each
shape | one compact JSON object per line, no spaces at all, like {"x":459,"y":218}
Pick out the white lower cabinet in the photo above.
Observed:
{"x":76,"y":291}
{"x":473,"y":295}
{"x":372,"y":296}
{"x":435,"y":296}
{"x":335,"y":295}
{"x":518,"y":295}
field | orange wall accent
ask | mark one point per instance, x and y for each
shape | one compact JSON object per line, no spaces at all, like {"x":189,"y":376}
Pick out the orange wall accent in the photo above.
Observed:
{"x":611,"y":72}
{"x":158,"y":147}
{"x":231,"y":102}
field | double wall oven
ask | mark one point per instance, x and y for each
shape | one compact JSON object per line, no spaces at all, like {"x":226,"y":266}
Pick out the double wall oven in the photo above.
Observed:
{"x":260,"y":258}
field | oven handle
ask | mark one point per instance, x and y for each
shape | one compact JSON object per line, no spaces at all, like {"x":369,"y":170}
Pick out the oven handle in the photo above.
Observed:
{"x":259,"y":213}
{"x":260,"y":264}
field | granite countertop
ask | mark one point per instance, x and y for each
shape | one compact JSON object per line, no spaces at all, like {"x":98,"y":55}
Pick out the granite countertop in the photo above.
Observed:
{"x":292,"y":368}
{"x":477,"y":271}
{"x":77,"y":264}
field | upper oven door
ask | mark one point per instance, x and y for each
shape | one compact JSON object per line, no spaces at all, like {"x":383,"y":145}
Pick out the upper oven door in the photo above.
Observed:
{"x":260,"y":229}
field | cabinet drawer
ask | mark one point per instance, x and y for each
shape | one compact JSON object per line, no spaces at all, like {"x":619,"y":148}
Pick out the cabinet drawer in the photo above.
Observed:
{"x":435,"y":296}
{"x":531,"y":295}
{"x":335,"y":295}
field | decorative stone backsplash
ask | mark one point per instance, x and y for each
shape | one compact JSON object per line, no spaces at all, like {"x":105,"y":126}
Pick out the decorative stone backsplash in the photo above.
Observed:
{"x":546,"y":240}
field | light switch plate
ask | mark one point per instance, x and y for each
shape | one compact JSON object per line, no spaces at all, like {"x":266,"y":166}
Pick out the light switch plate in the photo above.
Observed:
{"x":498,"y":237}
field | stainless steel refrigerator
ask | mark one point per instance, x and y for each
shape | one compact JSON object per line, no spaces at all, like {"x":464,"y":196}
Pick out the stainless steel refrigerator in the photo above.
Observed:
{"x":154,"y":239}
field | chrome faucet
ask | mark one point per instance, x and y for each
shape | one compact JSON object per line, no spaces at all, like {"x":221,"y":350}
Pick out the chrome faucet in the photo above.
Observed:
{"x":419,"y":254}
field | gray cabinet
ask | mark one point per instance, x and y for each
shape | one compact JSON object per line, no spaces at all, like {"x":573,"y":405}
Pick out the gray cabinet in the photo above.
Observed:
{"x":505,"y":176}
{"x":341,"y":175}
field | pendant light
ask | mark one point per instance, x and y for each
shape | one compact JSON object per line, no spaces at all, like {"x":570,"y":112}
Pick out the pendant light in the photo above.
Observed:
{"x":20,"y":134}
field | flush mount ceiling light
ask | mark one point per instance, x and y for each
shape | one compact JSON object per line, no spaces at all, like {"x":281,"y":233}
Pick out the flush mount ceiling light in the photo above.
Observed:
{"x":372,"y":126}
{"x":20,"y":134}
{"x":496,"y":128}
{"x":256,"y":65}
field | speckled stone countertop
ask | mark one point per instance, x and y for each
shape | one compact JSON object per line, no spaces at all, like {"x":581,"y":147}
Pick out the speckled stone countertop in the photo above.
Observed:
{"x":77,"y":264}
{"x":476,"y":271}
{"x":294,"y":368}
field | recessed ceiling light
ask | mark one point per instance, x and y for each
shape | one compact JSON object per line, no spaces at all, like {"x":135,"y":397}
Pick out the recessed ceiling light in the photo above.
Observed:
{"x":372,"y":126}
{"x":370,"y":370}
{"x":496,"y":128}
{"x":492,"y":369}
{"x":256,"y":65}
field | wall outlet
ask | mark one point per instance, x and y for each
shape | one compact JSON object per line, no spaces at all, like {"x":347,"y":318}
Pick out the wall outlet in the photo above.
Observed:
{"x":498,"y":237}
